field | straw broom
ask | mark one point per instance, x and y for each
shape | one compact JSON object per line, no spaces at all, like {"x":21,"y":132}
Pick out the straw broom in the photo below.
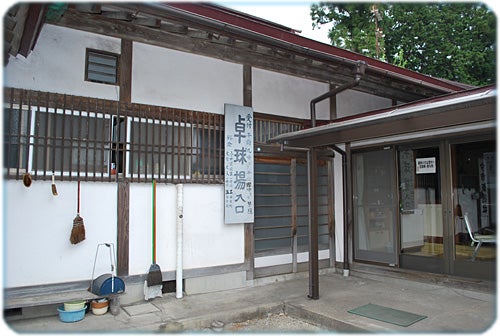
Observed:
{"x":78,"y":230}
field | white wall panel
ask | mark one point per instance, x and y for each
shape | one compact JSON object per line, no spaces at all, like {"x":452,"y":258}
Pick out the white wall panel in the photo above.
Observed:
{"x":37,"y":228}
{"x":352,"y":102}
{"x":286,"y":95}
{"x":57,"y":64}
{"x":177,"y":79}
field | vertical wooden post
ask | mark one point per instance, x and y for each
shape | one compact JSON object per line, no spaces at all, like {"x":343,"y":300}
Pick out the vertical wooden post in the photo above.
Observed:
{"x":293,"y":191}
{"x":312,"y":160}
{"x":249,"y":235}
{"x":125,"y":71}
{"x":247,"y":85}
{"x":331,"y":212}
{"x":123,"y":227}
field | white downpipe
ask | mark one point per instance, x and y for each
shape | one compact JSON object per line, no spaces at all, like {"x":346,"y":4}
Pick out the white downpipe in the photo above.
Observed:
{"x":180,"y":215}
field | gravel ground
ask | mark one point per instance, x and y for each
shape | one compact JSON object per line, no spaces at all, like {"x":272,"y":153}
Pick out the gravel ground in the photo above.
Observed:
{"x":273,"y":322}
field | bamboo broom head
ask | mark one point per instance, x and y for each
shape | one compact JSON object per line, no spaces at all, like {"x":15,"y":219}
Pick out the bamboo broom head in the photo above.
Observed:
{"x":78,"y":230}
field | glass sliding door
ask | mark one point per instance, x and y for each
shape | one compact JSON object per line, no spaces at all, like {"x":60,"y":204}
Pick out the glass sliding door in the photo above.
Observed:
{"x":475,"y":199}
{"x":421,"y":209}
{"x":374,"y":206}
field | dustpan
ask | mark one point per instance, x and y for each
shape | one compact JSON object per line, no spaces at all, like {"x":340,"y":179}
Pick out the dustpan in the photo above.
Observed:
{"x":107,"y":283}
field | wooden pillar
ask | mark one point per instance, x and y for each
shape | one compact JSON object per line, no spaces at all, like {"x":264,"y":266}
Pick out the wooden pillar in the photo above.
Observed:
{"x":123,"y":186}
{"x":123,"y":227}
{"x":249,"y":235}
{"x":247,"y":85}
{"x":125,"y":71}
{"x":312,"y":161}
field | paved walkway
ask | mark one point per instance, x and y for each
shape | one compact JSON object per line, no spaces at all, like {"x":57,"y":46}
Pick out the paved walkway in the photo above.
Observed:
{"x":459,"y":308}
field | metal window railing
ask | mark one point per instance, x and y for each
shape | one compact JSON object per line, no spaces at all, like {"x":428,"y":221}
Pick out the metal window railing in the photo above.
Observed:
{"x":101,"y":140}
{"x":92,"y":139}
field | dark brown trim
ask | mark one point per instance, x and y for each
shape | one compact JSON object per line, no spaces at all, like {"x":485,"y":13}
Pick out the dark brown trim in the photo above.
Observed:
{"x":123,"y":190}
{"x":125,"y":71}
{"x":32,"y":28}
{"x":247,"y":85}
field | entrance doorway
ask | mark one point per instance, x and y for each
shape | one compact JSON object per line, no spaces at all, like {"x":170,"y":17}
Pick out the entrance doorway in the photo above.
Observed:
{"x":421,"y":209}
{"x":410,"y":204}
{"x":374,"y":206}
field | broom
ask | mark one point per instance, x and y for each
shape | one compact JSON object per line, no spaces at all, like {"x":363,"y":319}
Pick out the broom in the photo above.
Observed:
{"x":78,"y":230}
{"x":154,"y":277}
{"x":154,"y":282}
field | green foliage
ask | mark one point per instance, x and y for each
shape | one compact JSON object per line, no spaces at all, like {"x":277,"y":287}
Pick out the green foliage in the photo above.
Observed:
{"x":455,"y":41}
{"x":355,"y":25}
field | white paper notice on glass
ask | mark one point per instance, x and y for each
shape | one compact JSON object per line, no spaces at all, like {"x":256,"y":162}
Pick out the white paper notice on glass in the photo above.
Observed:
{"x":238,"y":165}
{"x":426,"y":165}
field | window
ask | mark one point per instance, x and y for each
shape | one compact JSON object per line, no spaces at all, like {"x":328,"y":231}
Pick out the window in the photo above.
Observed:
{"x":102,"y":140}
{"x":16,"y":126}
{"x":70,"y":141}
{"x":101,"y":67}
{"x":160,"y":149}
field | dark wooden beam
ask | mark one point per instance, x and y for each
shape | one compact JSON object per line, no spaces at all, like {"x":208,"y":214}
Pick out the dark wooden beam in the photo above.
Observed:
{"x":31,"y":28}
{"x":247,"y":85}
{"x":125,"y":68}
{"x":123,"y":228}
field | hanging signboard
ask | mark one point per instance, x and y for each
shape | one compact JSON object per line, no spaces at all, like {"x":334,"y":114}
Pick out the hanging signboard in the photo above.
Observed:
{"x":426,"y":165}
{"x":238,"y":163}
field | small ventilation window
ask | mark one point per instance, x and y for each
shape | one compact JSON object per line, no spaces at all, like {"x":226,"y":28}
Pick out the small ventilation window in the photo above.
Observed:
{"x":101,"y":67}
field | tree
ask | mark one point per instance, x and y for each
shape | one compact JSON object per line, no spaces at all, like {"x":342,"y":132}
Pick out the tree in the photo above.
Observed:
{"x":454,"y":41}
{"x":354,"y":26}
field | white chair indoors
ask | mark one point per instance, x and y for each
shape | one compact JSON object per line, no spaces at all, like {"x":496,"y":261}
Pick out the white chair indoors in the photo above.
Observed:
{"x":478,"y":239}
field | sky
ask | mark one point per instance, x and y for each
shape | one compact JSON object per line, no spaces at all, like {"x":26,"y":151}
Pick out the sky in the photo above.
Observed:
{"x":292,"y":14}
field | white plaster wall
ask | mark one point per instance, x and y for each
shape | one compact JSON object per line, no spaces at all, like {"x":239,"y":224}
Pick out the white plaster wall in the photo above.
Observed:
{"x":177,"y":79}
{"x":351,"y":102}
{"x":57,"y":64}
{"x":37,"y":227}
{"x":286,"y":95}
{"x":140,"y":227}
{"x":207,"y":240}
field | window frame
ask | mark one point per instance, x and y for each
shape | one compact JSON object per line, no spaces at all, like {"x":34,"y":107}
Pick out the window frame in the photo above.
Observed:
{"x":88,"y":52}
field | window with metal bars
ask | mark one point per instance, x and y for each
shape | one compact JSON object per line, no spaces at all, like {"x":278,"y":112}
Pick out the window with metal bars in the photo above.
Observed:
{"x":95,"y":139}
{"x":160,"y":149}
{"x":267,"y":127}
{"x":41,"y":140}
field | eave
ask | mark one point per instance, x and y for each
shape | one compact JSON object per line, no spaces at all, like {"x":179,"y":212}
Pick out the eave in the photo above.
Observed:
{"x":473,"y":106}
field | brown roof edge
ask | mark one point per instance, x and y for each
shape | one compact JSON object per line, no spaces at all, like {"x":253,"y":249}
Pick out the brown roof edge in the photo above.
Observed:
{"x":443,"y":111}
{"x":220,"y":14}
{"x":443,"y":97}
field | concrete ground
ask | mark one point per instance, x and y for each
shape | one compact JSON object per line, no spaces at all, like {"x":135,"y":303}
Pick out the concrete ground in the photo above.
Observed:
{"x":451,"y":306}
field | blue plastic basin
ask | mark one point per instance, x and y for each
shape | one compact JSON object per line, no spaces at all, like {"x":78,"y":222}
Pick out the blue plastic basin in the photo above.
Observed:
{"x":71,"y":316}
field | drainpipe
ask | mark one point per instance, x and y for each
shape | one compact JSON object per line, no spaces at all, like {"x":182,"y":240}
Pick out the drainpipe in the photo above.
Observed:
{"x":180,"y":222}
{"x":358,"y":71}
